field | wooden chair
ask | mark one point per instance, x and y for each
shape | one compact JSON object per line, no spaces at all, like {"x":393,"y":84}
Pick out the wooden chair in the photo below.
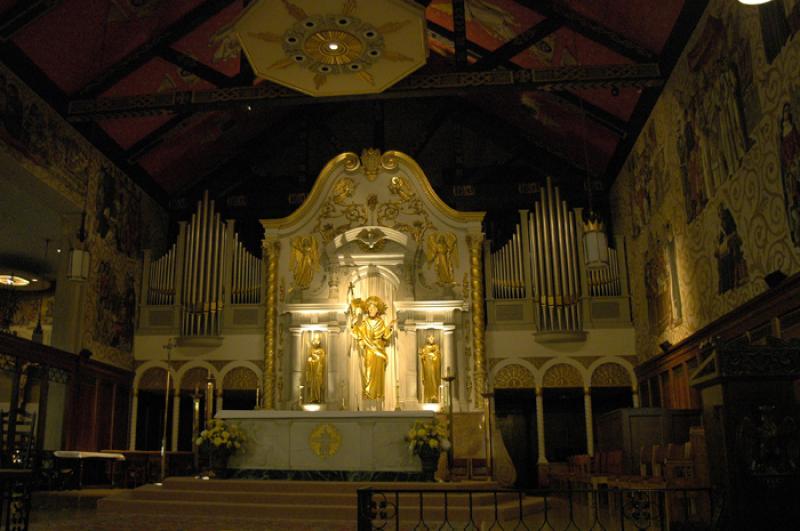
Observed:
{"x":19,"y":433}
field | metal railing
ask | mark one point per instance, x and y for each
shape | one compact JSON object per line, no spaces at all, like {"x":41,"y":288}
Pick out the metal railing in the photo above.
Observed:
{"x":451,"y":507}
{"x":15,"y":499}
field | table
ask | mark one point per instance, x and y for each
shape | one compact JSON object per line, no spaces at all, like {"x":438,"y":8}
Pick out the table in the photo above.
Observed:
{"x":81,"y":457}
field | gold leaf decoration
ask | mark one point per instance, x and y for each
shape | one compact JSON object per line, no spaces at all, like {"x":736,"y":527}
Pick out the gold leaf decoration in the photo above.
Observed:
{"x":563,"y":375}
{"x":610,"y":375}
{"x":319,"y":80}
{"x":281,"y":63}
{"x":240,"y":378}
{"x":349,"y":7}
{"x":514,"y":376}
{"x":266,"y":36}
{"x":194,"y":376}
{"x":295,"y":11}
{"x":390,"y":27}
{"x":366,"y":76}
{"x":325,"y":440}
{"x":153,"y":379}
{"x":395,"y":56}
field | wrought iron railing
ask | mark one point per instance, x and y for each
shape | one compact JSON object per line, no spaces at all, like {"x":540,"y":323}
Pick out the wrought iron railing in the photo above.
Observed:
{"x":15,"y":499}
{"x":674,"y":509}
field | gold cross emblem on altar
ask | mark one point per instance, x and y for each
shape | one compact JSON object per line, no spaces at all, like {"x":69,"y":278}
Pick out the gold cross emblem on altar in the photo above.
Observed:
{"x":325,"y":440}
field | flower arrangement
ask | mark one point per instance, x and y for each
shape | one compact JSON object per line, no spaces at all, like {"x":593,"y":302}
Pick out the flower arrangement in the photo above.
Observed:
{"x":219,"y":437}
{"x":427,"y":437}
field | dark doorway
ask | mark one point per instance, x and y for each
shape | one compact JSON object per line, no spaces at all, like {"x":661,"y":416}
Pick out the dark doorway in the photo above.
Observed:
{"x":150,"y":420}
{"x":564,"y":423}
{"x":515,"y":417}
{"x":187,"y":419}
{"x":239,"y":399}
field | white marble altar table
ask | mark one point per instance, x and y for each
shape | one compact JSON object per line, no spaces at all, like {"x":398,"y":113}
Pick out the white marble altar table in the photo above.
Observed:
{"x":326,"y":440}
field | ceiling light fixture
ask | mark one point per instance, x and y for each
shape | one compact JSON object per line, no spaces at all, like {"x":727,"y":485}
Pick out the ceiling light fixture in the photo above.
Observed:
{"x":595,"y":242}
{"x":333,"y":46}
{"x":14,"y":281}
{"x":753,"y":2}
{"x":78,"y":259}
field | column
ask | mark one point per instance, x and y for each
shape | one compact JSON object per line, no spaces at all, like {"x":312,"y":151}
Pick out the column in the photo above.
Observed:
{"x":540,"y":426}
{"x":176,"y":417}
{"x":298,"y":363}
{"x":587,"y":409}
{"x":635,"y":396}
{"x":478,"y":322}
{"x":272,"y":249}
{"x":218,"y":392}
{"x":448,"y":350}
{"x":134,"y":415}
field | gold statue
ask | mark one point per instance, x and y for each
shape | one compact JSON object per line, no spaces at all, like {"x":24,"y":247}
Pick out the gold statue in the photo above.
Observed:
{"x":431,"y":370}
{"x":439,"y":250}
{"x":304,"y":260}
{"x":315,"y":371}
{"x":372,"y":335}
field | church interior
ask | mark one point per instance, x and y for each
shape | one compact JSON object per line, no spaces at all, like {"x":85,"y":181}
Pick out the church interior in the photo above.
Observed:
{"x":367,"y":264}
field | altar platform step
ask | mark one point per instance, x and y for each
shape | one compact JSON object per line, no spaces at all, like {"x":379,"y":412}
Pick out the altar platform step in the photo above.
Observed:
{"x":323,"y":501}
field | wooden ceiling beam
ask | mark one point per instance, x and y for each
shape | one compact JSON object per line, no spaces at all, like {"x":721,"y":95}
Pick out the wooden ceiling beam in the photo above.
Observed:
{"x":23,"y":13}
{"x":684,"y":26}
{"x":552,"y":162}
{"x":414,"y":86}
{"x":154,"y":138}
{"x":459,"y":32}
{"x":590,"y":29}
{"x":201,"y":70}
{"x":518,"y":44}
{"x":147,"y":51}
{"x":599,"y":115}
{"x":594,"y":113}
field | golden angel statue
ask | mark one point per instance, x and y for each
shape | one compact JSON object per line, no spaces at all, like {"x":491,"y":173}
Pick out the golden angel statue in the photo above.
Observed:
{"x":431,"y":361}
{"x":372,"y":335}
{"x":315,"y":371}
{"x":304,"y":260}
{"x":439,"y":250}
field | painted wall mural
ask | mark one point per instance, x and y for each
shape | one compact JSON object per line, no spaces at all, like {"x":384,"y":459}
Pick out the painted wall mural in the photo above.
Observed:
{"x":722,"y":210}
{"x":121,"y":218}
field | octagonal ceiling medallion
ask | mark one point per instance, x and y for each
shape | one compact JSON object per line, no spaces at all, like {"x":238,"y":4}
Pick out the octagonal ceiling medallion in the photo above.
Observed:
{"x":334,"y":47}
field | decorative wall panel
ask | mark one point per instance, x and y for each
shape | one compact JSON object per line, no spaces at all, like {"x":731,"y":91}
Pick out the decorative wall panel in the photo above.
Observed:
{"x":708,"y":194}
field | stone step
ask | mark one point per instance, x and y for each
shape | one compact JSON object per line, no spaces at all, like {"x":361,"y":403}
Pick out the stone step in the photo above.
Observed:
{"x":243,"y":494}
{"x":255,"y":485}
{"x":307,"y":510}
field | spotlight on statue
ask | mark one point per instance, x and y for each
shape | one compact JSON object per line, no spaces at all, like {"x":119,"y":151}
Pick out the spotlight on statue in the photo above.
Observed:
{"x":665,"y":346}
{"x":312,"y":407}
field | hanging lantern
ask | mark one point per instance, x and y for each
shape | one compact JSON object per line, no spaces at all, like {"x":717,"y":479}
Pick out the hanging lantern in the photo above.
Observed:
{"x":595,"y":243}
{"x":78,"y":258}
{"x":78,"y":265}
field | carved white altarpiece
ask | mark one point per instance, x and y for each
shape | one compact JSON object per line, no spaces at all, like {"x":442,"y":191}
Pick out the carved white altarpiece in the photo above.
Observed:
{"x":372,"y":226}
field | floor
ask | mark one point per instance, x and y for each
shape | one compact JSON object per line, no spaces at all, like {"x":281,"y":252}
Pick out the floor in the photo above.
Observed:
{"x":75,"y":510}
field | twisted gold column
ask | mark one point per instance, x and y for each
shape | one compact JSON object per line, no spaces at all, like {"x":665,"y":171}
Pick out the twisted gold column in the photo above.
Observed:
{"x":271,"y":252}
{"x":474,"y":242}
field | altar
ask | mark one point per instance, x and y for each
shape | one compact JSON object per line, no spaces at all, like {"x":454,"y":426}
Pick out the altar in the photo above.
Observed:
{"x":347,"y":441}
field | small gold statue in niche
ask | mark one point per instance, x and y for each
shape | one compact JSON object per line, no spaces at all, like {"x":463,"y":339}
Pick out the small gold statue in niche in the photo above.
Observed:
{"x":371,"y":334}
{"x":439,"y":250}
{"x":431,"y":360}
{"x":315,"y":371}
{"x":304,"y":261}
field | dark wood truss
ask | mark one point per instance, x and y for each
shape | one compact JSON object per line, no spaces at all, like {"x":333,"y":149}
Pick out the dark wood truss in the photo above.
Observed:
{"x":415,"y":86}
{"x":152,"y":48}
